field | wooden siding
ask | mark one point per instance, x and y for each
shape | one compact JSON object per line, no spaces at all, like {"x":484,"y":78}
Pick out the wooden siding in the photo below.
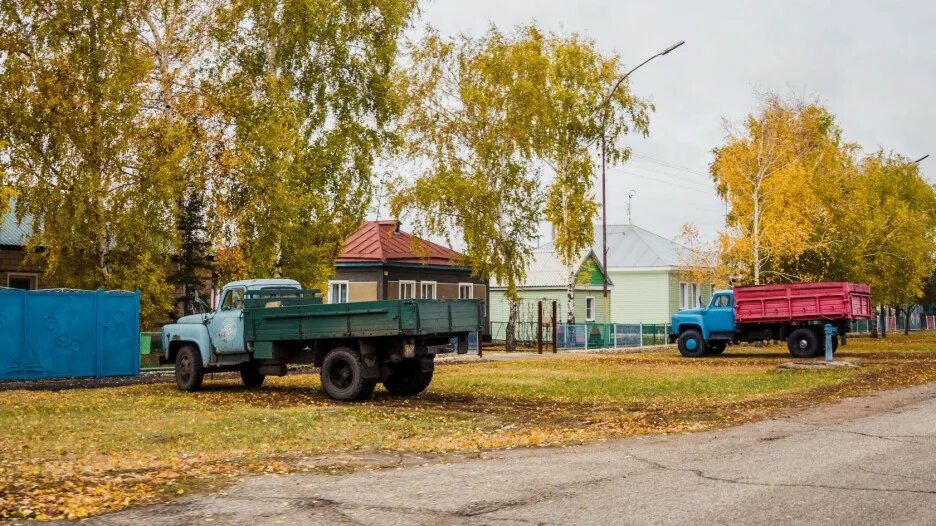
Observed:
{"x":362,"y":291}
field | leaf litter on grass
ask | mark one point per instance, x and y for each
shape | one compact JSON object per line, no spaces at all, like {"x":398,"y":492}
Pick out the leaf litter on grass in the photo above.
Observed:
{"x":82,"y":452}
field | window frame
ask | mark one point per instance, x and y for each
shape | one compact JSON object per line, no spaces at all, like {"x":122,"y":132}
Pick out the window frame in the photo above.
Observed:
{"x":683,"y":287}
{"x":33,"y":278}
{"x":347,"y":290}
{"x":435,"y":289}
{"x":230,"y":292}
{"x":589,"y":305}
{"x":400,"y":289}
{"x":470,"y":287}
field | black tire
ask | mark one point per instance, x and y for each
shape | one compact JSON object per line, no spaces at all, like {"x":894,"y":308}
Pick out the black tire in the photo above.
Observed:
{"x":342,"y":376}
{"x":716,"y":347}
{"x":691,"y":344}
{"x":251,"y":376}
{"x":189,"y":370}
{"x":803,"y":343}
{"x":407,"y":379}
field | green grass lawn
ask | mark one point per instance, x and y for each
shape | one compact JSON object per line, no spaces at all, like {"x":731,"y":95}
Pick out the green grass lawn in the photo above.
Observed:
{"x":78,"y":452}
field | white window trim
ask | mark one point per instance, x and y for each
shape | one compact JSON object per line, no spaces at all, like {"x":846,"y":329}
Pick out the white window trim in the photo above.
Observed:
{"x":435,"y":289}
{"x":683,"y":288}
{"x":31,"y":275}
{"x":470,"y":290}
{"x":590,"y":299}
{"x":347,"y":285}
{"x":407,"y":282}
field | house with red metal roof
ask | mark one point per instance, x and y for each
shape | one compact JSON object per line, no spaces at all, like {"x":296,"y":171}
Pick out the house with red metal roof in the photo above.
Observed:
{"x":381,"y":262}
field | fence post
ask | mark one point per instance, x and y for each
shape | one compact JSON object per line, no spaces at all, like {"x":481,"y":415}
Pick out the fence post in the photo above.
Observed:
{"x":539,"y":327}
{"x":640,"y":329}
{"x":555,"y":329}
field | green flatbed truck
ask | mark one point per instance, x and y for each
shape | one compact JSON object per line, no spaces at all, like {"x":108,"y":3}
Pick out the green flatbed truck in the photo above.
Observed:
{"x":260,"y":326}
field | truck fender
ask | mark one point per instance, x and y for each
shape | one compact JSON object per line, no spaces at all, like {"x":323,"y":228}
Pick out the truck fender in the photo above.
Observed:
{"x":693,"y":322}
{"x":368,"y":349}
{"x":177,"y":334}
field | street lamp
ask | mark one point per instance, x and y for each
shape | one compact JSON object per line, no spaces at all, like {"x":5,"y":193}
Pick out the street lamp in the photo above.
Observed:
{"x":604,"y":200}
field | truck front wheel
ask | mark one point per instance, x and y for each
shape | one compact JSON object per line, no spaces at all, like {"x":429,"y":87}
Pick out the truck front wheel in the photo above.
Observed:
{"x":189,"y":370}
{"x":803,"y":343}
{"x":691,"y":344}
{"x":342,"y":376}
{"x":407,"y":379}
{"x":716,"y":347}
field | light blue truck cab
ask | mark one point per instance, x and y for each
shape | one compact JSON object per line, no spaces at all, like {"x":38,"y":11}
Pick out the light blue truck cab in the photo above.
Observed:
{"x":707,"y":330}
{"x":219,"y":336}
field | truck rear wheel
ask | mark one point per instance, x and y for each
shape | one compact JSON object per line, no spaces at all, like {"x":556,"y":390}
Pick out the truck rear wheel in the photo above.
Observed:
{"x":189,"y":370}
{"x":407,"y":379}
{"x":691,"y":344}
{"x":342,"y":376}
{"x":803,"y":343}
{"x":251,"y":376}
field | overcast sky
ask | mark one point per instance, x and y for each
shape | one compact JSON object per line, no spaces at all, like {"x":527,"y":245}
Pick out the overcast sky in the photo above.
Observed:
{"x":873,"y":64}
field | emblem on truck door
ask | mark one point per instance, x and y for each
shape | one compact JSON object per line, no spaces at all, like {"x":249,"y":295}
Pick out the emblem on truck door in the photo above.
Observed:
{"x":227,"y":331}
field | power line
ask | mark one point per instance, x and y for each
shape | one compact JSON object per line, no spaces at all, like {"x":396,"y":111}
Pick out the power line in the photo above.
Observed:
{"x":675,"y":174}
{"x":670,"y":181}
{"x":668,"y":164}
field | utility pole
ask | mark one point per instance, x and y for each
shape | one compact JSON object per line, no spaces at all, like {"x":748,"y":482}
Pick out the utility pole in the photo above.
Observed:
{"x":604,"y":163}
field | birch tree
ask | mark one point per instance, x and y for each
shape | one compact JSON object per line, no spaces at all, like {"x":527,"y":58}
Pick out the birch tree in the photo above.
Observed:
{"x":765,"y":172}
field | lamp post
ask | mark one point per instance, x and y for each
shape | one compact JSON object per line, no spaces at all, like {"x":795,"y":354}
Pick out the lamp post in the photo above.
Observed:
{"x":604,"y":199}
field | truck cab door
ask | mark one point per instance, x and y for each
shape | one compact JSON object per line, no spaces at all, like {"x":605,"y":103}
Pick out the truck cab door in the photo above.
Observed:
{"x":719,"y":316}
{"x":226,"y":326}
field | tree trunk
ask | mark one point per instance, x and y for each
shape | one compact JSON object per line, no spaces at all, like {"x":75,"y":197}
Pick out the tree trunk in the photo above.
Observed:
{"x":883,"y":321}
{"x":570,"y":297}
{"x":511,"y":331}
{"x":907,"y":319}
{"x":756,"y":234}
{"x":873,"y":324}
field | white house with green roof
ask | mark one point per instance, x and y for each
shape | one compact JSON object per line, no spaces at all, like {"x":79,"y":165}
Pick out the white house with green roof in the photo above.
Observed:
{"x":547,"y":281}
{"x":645,"y":285}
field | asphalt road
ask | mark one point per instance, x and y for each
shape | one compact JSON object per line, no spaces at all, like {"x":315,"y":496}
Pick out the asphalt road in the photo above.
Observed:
{"x":863,"y":461}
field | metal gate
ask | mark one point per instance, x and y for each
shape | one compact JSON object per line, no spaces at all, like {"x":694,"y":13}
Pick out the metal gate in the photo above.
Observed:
{"x":68,"y":333}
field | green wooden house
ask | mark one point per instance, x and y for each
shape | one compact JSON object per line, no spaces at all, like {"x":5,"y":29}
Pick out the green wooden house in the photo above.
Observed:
{"x":645,"y":269}
{"x":547,"y":281}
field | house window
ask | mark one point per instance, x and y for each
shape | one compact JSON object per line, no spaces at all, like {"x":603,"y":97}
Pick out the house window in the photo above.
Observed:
{"x":427,"y":290}
{"x":589,"y":308}
{"x":465,"y":291}
{"x":338,"y":291}
{"x":407,"y":290}
{"x":23,"y":281}
{"x":689,"y":296}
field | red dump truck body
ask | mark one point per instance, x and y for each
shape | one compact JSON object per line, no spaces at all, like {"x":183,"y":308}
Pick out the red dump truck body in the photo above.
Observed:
{"x":800,"y":302}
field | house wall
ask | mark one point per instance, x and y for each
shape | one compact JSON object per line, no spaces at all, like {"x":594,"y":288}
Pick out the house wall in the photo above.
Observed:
{"x":705,"y":290}
{"x":11,"y":262}
{"x":640,"y":297}
{"x":500,"y":307}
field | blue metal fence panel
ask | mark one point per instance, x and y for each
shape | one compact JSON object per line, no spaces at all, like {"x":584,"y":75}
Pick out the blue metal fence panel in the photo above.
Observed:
{"x":60,"y":334}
